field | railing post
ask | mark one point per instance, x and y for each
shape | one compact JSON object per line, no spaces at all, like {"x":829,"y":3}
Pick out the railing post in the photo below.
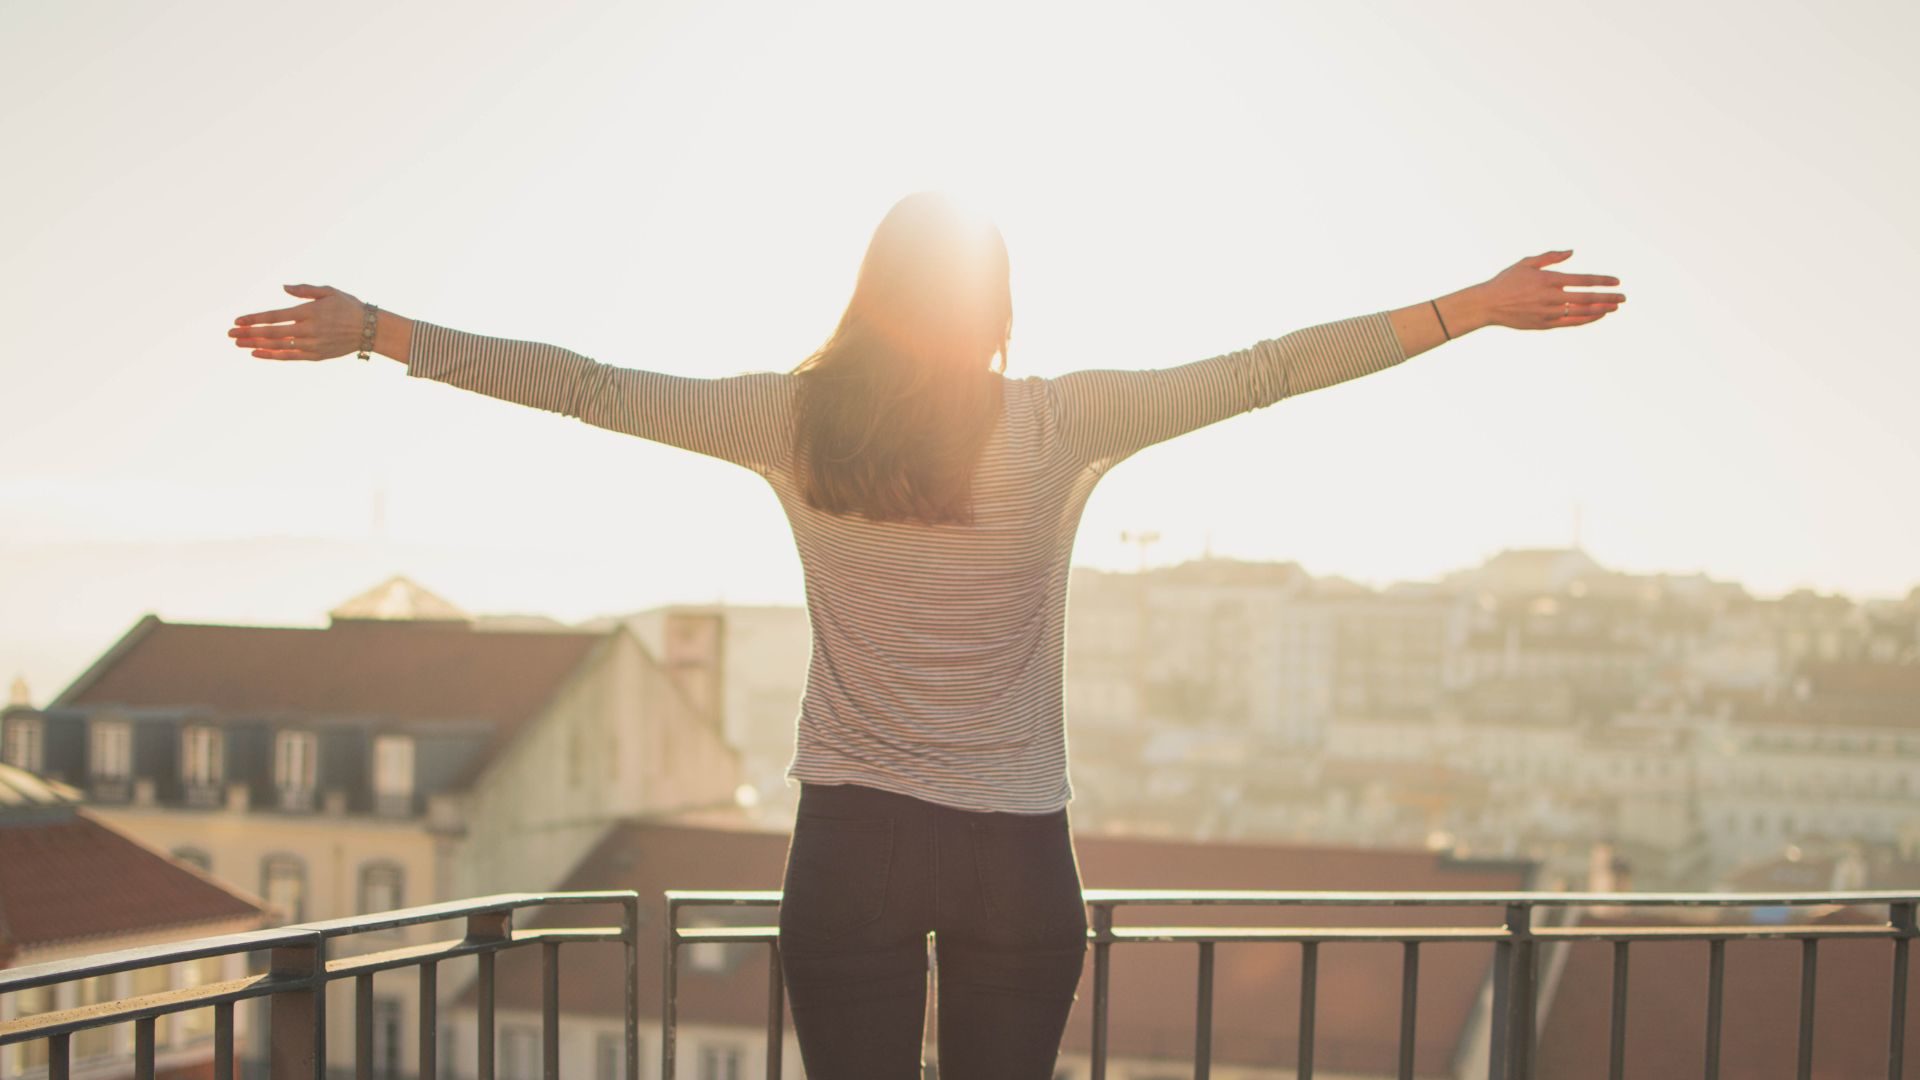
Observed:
{"x":669,"y":993}
{"x":487,"y":926}
{"x":550,"y":1010}
{"x":630,"y":935}
{"x":143,"y":1048}
{"x":1102,"y":942}
{"x":1409,"y":1003}
{"x":363,"y":1026}
{"x":1716,"y":1002}
{"x":1498,"y":1009}
{"x":1309,"y":989}
{"x":1809,"y":966}
{"x":429,"y":1033}
{"x":1901,"y":917}
{"x":1617,"y":1025}
{"x":1203,"y":1015}
{"x":223,"y":1041}
{"x":776,"y":1012}
{"x":295,"y":1016}
{"x":59,"y":1056}
{"x":1520,"y":993}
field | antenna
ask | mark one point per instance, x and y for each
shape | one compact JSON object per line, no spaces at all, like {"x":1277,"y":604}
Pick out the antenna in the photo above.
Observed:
{"x":1141,"y":540}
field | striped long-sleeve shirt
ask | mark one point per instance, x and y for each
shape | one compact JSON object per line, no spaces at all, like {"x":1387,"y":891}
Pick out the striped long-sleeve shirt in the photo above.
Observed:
{"x":938,"y":653}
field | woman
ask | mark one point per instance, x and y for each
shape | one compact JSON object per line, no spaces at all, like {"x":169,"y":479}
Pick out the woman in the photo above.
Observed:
{"x":934,"y":503}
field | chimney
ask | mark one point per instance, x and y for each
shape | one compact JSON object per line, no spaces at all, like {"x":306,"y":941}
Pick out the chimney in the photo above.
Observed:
{"x":695,"y":654}
{"x":17,"y":695}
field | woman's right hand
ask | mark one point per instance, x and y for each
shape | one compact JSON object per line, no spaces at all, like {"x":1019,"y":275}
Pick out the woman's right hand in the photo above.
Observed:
{"x":328,"y":325}
{"x":1526,"y":297}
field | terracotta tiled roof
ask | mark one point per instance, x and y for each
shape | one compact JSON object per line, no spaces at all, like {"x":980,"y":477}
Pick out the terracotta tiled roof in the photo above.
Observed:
{"x":1153,"y":985}
{"x":71,"y":878}
{"x":405,"y":669}
{"x":1760,"y":1019}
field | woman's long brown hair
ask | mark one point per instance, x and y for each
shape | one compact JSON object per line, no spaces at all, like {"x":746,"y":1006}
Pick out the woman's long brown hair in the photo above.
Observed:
{"x":893,"y":410}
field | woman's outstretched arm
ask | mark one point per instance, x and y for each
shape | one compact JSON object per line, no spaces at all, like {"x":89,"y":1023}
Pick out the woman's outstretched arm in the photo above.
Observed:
{"x":1103,"y":416}
{"x":738,"y":418}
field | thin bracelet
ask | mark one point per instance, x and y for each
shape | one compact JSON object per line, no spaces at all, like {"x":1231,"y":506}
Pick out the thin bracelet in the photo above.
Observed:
{"x":366,"y":331}
{"x":1443,"y":322}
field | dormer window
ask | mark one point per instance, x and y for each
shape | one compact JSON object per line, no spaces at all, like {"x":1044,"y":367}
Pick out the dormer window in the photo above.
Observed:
{"x":201,"y":764}
{"x":296,"y":759}
{"x":24,"y":744}
{"x":393,"y":774}
{"x":109,"y":750}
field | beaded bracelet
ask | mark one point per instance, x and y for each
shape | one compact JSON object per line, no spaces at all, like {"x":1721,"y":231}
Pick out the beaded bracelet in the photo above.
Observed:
{"x":366,"y":331}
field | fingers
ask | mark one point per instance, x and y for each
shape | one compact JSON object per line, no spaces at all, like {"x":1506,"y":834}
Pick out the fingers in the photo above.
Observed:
{"x":286,"y":354}
{"x":1580,"y":279}
{"x":269,"y":335}
{"x":1592,"y":297}
{"x":312,"y":291}
{"x":281,"y":315}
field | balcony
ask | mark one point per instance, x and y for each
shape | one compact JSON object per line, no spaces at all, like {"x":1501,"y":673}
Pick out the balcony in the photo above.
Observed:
{"x":297,"y":969}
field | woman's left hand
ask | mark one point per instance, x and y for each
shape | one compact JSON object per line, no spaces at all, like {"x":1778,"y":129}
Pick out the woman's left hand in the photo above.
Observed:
{"x":325,"y":327}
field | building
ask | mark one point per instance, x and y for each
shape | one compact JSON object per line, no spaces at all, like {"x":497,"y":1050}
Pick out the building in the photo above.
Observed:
{"x":72,"y":885}
{"x":401,"y":755}
{"x":755,"y":658}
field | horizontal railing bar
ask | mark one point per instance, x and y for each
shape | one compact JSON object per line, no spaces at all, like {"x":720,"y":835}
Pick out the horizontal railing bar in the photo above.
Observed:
{"x":1191,"y":934}
{"x":159,"y":1003}
{"x":690,"y":935}
{"x":1196,"y":934}
{"x":414,"y":955}
{"x":455,"y":909}
{"x":721,"y":897}
{"x":1122,"y":897}
{"x":1127,"y":897}
{"x":29,"y":976}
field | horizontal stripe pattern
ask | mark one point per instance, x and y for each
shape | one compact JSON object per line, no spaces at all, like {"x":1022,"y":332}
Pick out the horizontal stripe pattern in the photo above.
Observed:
{"x":938,"y":655}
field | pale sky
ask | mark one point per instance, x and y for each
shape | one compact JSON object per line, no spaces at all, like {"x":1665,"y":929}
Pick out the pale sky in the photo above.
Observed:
{"x":689,"y":187}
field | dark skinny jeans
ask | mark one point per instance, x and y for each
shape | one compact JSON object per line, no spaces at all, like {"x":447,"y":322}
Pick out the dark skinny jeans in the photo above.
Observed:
{"x":869,"y":874}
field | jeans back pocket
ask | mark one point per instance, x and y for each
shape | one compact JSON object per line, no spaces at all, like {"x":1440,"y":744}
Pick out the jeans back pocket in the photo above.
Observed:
{"x":836,"y":877}
{"x":1029,"y":879}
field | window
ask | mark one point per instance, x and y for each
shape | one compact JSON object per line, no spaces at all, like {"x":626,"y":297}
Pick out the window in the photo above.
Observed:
{"x":719,"y":1062}
{"x":609,"y":1056}
{"x":155,"y":980}
{"x":33,"y":1054}
{"x":198,"y":1023}
{"x":380,"y":887}
{"x":200,"y":757}
{"x":393,"y":768}
{"x":519,"y":1052}
{"x":23,"y":747}
{"x":386,"y":1038}
{"x":295,"y":761}
{"x":96,"y":1041}
{"x":283,"y":884}
{"x":194,"y":856}
{"x":109,"y":749}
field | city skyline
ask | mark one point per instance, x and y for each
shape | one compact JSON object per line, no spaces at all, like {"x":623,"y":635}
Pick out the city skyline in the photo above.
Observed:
{"x":689,"y":188}
{"x":51,"y":634}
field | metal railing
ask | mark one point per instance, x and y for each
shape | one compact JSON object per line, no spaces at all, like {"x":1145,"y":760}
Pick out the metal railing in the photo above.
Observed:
{"x":1515,"y":973}
{"x":298,"y":971}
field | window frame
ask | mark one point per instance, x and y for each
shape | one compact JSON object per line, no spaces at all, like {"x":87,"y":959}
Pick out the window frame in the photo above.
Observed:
{"x":110,"y":742}
{"x":368,"y":870}
{"x":203,"y":752}
{"x":280,"y":859}
{"x":26,"y":743}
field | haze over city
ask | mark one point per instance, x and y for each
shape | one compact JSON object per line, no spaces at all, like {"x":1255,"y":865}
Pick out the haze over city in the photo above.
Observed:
{"x":689,"y":187}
